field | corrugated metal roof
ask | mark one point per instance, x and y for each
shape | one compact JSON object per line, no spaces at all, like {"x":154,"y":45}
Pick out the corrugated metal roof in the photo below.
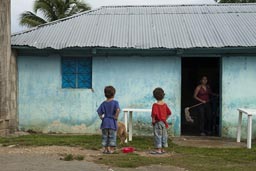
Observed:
{"x":145,"y":27}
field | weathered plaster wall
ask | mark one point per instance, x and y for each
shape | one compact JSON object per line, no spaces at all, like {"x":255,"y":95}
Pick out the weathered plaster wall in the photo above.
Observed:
{"x":238,"y":90}
{"x":135,"y":78}
{"x":45,"y":106}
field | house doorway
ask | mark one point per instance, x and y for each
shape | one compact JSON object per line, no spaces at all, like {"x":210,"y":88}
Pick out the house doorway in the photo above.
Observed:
{"x":193,"y":68}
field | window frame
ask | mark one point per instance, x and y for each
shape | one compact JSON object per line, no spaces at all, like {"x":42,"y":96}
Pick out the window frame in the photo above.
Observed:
{"x":76,"y":72}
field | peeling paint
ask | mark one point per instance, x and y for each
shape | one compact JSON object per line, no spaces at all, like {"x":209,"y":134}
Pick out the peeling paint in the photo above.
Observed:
{"x":45,"y":106}
{"x":238,"y":91}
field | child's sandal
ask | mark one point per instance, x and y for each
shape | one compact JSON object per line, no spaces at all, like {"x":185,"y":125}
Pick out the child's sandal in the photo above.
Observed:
{"x":156,"y":152}
{"x":112,"y":152}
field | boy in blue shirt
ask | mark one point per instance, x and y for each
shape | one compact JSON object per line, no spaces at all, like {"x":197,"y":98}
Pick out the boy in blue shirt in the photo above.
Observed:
{"x":108,"y":112}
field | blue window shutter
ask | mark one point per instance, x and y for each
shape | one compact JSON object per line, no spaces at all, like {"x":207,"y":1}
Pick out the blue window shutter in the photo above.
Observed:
{"x":68,"y":73}
{"x":68,"y":66}
{"x":68,"y":81}
{"x":76,"y":72}
{"x":85,"y":73}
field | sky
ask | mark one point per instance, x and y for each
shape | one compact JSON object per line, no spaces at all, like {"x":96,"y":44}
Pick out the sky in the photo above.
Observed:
{"x":20,"y":6}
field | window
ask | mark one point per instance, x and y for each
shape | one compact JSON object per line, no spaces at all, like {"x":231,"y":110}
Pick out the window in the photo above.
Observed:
{"x":76,"y":72}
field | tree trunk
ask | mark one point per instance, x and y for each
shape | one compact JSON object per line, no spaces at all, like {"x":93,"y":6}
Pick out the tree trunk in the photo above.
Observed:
{"x":8,"y":74}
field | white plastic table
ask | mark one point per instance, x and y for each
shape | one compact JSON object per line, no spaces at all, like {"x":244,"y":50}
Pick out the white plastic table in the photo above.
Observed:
{"x":130,"y":111}
{"x":249,"y":113}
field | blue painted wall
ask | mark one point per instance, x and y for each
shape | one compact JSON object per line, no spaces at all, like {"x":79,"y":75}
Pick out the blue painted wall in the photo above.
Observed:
{"x":238,"y":90}
{"x":44,"y":106}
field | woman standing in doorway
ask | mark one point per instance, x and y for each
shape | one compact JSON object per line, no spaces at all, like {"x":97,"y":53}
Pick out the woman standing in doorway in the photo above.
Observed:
{"x":202,"y":94}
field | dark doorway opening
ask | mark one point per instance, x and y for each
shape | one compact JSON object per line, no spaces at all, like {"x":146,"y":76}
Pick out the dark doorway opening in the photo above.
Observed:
{"x":193,"y":68}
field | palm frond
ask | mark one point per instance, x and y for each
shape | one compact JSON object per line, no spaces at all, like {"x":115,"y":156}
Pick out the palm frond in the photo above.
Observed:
{"x":29,"y":19}
{"x":77,"y":7}
{"x":52,"y":10}
{"x":47,"y":8}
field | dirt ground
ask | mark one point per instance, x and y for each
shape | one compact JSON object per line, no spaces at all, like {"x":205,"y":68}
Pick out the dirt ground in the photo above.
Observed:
{"x":47,"y":158}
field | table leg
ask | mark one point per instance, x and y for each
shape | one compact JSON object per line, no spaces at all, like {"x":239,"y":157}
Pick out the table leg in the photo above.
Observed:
{"x":125,"y":123}
{"x":130,"y":126}
{"x":238,"y":137}
{"x":249,"y":131}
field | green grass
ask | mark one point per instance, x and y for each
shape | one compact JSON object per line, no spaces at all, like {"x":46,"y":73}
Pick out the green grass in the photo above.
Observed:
{"x":79,"y":157}
{"x":69,"y":157}
{"x":89,"y":142}
{"x":191,"y":158}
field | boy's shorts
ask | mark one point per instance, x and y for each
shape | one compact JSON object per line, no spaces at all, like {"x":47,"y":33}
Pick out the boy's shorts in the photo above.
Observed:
{"x":108,"y":137}
{"x":160,"y":135}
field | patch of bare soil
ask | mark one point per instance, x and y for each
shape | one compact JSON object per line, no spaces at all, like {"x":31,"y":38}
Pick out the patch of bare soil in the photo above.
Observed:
{"x":89,"y":155}
{"x":51,"y":150}
{"x":44,"y":158}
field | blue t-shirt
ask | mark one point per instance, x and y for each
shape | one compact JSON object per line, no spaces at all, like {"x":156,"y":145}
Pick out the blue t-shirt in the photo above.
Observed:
{"x":108,"y":108}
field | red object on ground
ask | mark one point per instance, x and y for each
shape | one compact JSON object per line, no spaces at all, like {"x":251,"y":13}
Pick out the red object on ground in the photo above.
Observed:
{"x":128,"y":149}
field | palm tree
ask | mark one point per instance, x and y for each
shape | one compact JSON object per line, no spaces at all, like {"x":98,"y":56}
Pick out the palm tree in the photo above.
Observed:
{"x":52,"y":10}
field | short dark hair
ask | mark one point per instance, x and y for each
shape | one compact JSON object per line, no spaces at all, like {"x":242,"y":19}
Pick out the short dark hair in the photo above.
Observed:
{"x":158,"y":93}
{"x":109,"y":91}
